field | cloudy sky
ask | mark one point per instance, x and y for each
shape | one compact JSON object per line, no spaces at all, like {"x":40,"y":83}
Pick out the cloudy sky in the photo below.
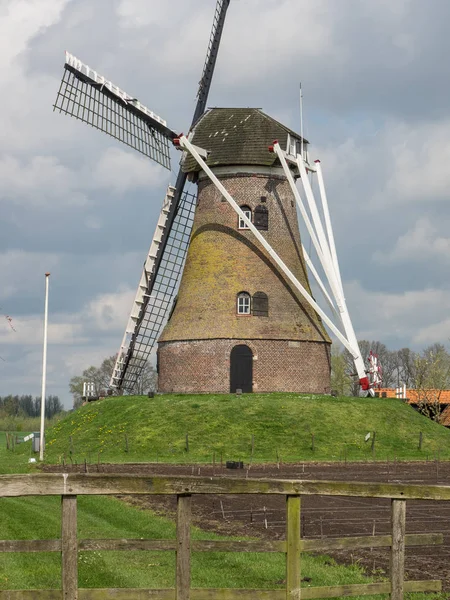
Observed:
{"x":73,"y":202}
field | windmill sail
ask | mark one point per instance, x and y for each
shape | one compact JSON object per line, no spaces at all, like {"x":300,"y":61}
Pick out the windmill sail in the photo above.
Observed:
{"x":211,"y":56}
{"x":86,"y":95}
{"x":133,"y":355}
{"x":155,"y":292}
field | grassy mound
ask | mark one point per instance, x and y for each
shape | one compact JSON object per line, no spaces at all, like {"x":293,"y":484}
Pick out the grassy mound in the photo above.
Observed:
{"x":257,"y":427}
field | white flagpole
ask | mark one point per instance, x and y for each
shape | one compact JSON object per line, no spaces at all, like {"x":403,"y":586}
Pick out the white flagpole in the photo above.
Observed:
{"x":44,"y":371}
{"x":301,"y":120}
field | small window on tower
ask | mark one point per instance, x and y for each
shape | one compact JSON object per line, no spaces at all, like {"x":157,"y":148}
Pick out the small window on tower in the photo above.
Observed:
{"x":261,"y":219}
{"x":243,"y":303}
{"x":248,"y":213}
{"x":260,"y":305}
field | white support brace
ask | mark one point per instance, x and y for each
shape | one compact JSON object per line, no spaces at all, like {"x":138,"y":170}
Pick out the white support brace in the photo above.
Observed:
{"x":185,"y":144}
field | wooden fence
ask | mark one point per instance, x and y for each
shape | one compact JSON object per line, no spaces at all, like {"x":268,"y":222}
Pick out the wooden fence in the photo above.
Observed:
{"x":69,"y":486}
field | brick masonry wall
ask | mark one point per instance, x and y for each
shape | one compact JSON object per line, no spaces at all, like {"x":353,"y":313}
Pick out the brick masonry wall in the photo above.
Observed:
{"x":203,"y":366}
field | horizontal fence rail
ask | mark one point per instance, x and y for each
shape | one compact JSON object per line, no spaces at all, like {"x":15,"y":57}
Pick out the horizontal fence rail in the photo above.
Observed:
{"x":69,"y":486}
{"x":94,"y":484}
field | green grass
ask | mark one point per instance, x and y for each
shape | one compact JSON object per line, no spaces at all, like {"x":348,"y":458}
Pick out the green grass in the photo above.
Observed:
{"x":101,"y":517}
{"x":14,"y":461}
{"x":281,"y":425}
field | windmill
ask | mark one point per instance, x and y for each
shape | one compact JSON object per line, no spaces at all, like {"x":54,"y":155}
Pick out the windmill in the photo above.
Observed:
{"x":241,"y":229}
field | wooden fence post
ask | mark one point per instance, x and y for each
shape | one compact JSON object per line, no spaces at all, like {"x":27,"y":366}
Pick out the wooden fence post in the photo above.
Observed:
{"x":293,"y":567}
{"x":397,"y":567}
{"x":69,"y":554}
{"x":183,"y":568}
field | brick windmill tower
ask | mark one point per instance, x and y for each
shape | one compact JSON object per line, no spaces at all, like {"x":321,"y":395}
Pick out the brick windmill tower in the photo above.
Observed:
{"x":238,"y":323}
{"x":244,"y":317}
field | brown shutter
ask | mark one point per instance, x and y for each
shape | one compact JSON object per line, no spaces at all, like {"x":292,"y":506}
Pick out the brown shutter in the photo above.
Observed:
{"x":260,"y":305}
{"x":261,"y":218}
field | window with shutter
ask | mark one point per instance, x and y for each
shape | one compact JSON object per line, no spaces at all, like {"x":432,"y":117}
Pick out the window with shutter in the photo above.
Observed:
{"x":243,"y":303}
{"x":261,"y":218}
{"x":260,"y":305}
{"x":248,"y":213}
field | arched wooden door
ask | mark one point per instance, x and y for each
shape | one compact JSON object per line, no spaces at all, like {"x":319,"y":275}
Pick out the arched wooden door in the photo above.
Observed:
{"x":241,"y":369}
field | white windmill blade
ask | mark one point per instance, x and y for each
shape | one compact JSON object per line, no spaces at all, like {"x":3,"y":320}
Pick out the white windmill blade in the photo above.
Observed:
{"x":155,"y":291}
{"x":213,"y":48}
{"x":332,"y":270}
{"x":319,"y":282}
{"x":336,"y":284}
{"x":315,"y":228}
{"x":141,"y":294}
{"x":329,"y":266}
{"x":90,"y":97}
{"x":329,"y":228}
{"x":325,"y":257}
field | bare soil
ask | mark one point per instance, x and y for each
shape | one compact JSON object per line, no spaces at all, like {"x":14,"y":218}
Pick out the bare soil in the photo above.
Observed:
{"x":264,"y":516}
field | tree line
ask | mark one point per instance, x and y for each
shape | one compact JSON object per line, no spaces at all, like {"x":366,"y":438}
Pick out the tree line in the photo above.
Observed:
{"x":27,"y":406}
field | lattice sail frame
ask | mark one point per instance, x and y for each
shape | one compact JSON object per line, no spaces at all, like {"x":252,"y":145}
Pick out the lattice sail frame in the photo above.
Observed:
{"x":213,"y":47}
{"x":155,"y":293}
{"x":89,"y":97}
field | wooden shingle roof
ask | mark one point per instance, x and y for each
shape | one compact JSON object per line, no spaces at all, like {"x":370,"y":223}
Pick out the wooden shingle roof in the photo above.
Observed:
{"x":238,"y":136}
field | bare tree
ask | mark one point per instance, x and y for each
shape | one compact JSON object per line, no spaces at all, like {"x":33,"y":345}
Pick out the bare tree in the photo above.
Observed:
{"x":341,"y":381}
{"x":100,"y":377}
{"x":364,"y":347}
{"x":146,"y":382}
{"x":406,"y":367}
{"x":432,"y":376}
